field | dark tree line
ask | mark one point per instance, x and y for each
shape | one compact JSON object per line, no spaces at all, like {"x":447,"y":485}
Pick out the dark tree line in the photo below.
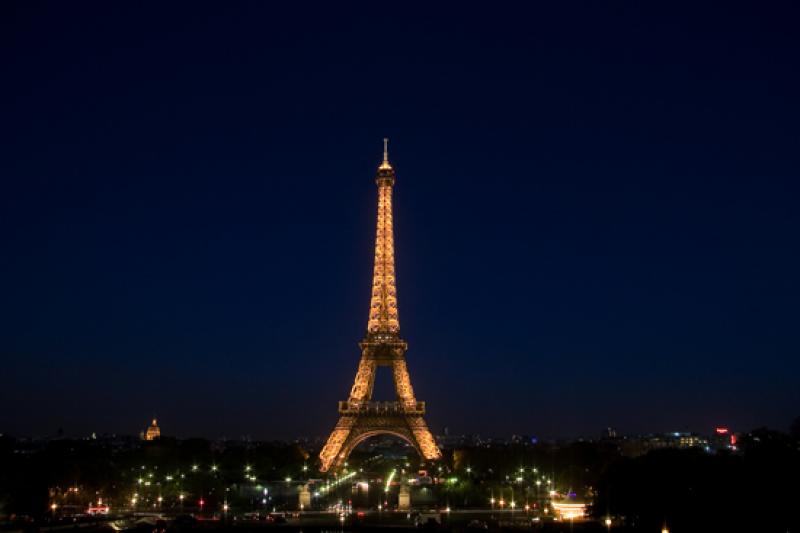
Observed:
{"x":690,"y":490}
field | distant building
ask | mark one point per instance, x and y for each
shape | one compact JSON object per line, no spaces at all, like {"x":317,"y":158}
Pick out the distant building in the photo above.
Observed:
{"x":691,"y":441}
{"x":724,"y":439}
{"x":153,"y":432}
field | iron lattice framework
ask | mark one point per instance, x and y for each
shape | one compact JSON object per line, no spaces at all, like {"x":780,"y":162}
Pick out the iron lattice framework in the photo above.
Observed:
{"x":360,"y":417}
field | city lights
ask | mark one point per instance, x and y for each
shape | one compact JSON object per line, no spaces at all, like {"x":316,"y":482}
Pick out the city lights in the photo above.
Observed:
{"x":569,"y":511}
{"x":389,"y":480}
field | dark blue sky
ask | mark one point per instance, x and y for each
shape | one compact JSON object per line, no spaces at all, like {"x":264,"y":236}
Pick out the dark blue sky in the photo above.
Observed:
{"x":596,"y":213}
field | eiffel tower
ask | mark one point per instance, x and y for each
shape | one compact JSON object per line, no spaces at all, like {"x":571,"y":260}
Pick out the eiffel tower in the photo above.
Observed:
{"x":360,"y":417}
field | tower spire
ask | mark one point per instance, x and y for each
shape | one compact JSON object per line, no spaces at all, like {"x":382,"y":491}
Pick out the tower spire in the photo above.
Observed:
{"x":385,"y":164}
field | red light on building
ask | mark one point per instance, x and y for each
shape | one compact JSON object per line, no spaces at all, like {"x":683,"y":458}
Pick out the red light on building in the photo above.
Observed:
{"x":733,"y":439}
{"x":721,"y":431}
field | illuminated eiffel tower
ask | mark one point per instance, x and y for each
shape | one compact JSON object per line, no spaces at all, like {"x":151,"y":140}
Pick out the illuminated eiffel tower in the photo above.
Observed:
{"x":360,"y":417}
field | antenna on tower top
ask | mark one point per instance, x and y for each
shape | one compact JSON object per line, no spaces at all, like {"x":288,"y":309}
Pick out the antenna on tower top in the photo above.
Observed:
{"x":385,"y":164}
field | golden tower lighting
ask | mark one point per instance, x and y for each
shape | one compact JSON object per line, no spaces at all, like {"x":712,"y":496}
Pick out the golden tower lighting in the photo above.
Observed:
{"x":360,"y":417}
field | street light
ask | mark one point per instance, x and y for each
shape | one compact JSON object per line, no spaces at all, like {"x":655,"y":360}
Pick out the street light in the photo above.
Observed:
{"x":608,"y":523}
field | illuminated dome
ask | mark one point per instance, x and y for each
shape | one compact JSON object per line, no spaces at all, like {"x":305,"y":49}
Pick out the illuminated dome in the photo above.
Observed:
{"x":153,"y":432}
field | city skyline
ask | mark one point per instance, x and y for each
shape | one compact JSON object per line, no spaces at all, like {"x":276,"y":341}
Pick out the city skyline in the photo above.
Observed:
{"x":596,"y":216}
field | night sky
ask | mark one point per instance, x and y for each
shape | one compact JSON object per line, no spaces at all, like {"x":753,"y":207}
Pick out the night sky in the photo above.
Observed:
{"x":596,"y":214}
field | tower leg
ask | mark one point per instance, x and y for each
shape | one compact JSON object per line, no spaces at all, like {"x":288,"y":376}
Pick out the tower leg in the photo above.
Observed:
{"x":365,"y":380}
{"x":334,"y":447}
{"x":402,"y":381}
{"x":424,"y":440}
